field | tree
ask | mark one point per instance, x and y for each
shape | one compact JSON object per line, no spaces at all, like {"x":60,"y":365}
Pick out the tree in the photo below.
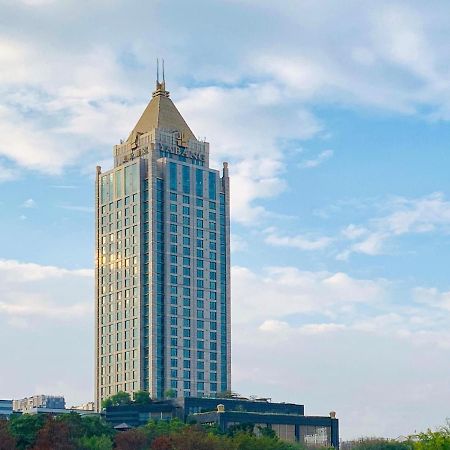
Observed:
{"x":24,"y":428}
{"x":141,"y":398}
{"x":434,"y":440}
{"x":54,"y":432}
{"x":96,"y":426}
{"x":132,"y":440}
{"x":195,"y":438}
{"x":245,"y":441}
{"x":156,"y":428}
{"x":247,"y":428}
{"x":377,"y":444}
{"x":227,"y":394}
{"x":170,"y":393}
{"x":95,"y":443}
{"x":74,"y":422}
{"x":162,"y":443}
{"x":107,"y":403}
{"x":7,"y":440}
{"x":267,"y":432}
{"x":119,"y":399}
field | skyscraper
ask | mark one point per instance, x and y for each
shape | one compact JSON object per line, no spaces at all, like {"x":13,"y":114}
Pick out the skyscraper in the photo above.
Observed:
{"x":162,"y":262}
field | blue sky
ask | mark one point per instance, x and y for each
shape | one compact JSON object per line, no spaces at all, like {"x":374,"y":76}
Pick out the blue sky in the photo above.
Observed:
{"x":334,"y":117}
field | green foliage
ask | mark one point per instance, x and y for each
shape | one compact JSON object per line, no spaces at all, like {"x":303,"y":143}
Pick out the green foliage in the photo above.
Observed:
{"x":156,"y":428}
{"x":211,"y":429}
{"x":227,"y":394}
{"x":194,"y":438}
{"x":96,"y":426}
{"x":247,"y":428}
{"x":7,"y":440}
{"x":24,"y":429}
{"x":434,"y":440}
{"x":267,"y":432}
{"x":74,"y":423}
{"x":107,"y":403}
{"x":88,"y":426}
{"x":119,"y":399}
{"x":378,"y":444}
{"x":245,"y":441}
{"x":54,"y":431}
{"x":75,"y":432}
{"x":170,"y":393}
{"x":141,"y":398}
{"x":102,"y":442}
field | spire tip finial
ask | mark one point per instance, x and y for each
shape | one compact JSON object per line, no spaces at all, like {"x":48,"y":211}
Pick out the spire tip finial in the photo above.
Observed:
{"x":160,"y":85}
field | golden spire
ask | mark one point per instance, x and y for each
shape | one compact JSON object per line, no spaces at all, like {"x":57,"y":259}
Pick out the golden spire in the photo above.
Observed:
{"x":161,"y":113}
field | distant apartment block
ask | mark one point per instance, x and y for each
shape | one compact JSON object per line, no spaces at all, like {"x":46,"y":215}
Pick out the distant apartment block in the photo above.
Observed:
{"x":39,"y":401}
{"x":89,"y":406}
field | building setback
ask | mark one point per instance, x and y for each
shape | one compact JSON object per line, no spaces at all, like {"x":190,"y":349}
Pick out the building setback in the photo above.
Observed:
{"x":162,"y":262}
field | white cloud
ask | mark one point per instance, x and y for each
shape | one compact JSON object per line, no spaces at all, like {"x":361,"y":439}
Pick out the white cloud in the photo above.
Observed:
{"x":432,"y":297}
{"x":422,"y":215}
{"x":243,"y":129}
{"x":317,"y":161}
{"x":361,"y":375}
{"x":46,"y":317}
{"x":350,"y":341}
{"x":274,"y":326}
{"x":268,"y":299}
{"x":31,"y":290}
{"x":300,"y":242}
{"x":16,"y":271}
{"x":29,"y":203}
{"x":353,"y":231}
{"x":284,"y":291}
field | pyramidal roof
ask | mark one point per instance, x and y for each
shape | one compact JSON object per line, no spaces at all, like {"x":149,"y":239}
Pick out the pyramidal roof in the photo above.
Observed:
{"x":161,"y":113}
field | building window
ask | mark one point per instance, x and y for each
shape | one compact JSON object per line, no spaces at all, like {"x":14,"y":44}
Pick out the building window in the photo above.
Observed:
{"x":186,"y":179}
{"x":173,"y":176}
{"x":199,"y":182}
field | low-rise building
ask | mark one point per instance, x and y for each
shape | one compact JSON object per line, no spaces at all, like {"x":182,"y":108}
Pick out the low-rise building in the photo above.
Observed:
{"x":39,"y":401}
{"x":6,"y":408}
{"x":311,"y":431}
{"x":89,"y":406}
{"x":287,"y":420}
{"x":137,"y":415}
{"x":58,"y":411}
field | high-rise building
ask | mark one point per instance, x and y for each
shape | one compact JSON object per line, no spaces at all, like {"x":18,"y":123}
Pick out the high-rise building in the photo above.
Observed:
{"x":162,"y":262}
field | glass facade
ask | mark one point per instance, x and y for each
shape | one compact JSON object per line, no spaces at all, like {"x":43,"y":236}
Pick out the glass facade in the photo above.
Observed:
{"x":162,"y":270}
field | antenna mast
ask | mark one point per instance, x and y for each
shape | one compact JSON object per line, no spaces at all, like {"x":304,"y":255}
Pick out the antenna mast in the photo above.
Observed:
{"x":157,"y":70}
